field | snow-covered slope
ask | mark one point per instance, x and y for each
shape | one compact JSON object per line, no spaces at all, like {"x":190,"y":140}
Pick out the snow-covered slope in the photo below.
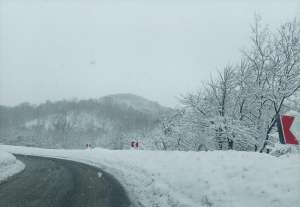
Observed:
{"x":9,"y":165}
{"x":78,"y":121}
{"x":73,"y":123}
{"x":194,"y":179}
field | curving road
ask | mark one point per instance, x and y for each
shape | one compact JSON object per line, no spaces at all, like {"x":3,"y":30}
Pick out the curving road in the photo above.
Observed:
{"x":48,"y":182}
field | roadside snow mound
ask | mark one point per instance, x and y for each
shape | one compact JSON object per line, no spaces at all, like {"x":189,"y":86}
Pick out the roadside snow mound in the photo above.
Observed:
{"x":9,"y":165}
{"x":193,"y":179}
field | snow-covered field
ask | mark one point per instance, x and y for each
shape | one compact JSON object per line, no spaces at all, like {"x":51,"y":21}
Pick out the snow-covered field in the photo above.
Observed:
{"x":9,"y":165}
{"x":194,"y":179}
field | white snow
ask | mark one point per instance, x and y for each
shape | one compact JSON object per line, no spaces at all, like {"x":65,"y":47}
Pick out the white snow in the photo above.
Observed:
{"x":190,"y":179}
{"x":295,"y":128}
{"x":82,"y":121}
{"x":9,"y":165}
{"x":100,"y":174}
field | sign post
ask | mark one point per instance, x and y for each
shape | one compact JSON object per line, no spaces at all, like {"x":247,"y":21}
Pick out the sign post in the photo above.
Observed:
{"x":288,"y":129}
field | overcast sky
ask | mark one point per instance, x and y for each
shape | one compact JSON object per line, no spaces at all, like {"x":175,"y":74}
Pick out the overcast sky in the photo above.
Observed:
{"x":159,"y":49}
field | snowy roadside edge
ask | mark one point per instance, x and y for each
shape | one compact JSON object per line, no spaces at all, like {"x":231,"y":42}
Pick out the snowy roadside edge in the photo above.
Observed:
{"x":10,"y":169}
{"x":146,"y":187}
{"x":117,"y":173}
{"x":133,"y":192}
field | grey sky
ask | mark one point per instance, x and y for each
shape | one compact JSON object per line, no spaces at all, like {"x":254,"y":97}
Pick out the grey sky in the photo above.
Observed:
{"x":59,"y":49}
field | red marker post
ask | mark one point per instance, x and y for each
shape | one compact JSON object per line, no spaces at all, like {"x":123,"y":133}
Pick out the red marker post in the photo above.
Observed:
{"x":286,"y":128}
{"x":135,"y":144}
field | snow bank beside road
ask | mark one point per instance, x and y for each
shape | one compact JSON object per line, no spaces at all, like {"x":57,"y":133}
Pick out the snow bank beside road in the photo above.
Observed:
{"x":194,"y":179}
{"x":9,"y":165}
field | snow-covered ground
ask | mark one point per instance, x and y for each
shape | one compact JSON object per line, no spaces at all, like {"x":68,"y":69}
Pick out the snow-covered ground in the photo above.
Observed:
{"x":9,"y":165}
{"x":194,"y":179}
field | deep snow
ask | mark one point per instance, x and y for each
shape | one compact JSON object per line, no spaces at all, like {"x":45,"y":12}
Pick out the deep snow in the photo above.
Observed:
{"x":9,"y":165}
{"x":215,"y":178}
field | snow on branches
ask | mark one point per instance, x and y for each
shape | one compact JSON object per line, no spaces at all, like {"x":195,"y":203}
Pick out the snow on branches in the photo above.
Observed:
{"x":238,"y":109}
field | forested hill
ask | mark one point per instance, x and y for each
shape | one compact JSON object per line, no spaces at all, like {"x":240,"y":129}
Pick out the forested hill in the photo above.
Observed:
{"x":108,"y":121}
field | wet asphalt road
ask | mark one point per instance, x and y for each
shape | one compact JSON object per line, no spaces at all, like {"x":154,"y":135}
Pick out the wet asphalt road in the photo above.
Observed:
{"x":59,"y":183}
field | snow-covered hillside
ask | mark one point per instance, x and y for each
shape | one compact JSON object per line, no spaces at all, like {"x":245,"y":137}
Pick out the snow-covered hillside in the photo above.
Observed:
{"x":9,"y":165}
{"x":73,"y":123}
{"x":194,"y":179}
{"x":83,"y":120}
{"x":78,"y":121}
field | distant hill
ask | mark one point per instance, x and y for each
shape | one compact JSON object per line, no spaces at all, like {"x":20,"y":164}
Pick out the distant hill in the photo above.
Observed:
{"x":108,"y":121}
{"x":137,"y":103}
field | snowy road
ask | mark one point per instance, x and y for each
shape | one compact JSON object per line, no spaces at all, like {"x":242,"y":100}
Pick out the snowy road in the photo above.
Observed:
{"x":54,"y":183}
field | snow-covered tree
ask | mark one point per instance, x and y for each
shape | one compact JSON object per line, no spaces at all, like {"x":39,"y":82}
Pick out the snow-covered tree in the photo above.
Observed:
{"x":238,"y":109}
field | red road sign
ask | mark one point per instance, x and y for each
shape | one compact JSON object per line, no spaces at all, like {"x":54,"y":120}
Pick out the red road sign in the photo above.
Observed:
{"x":286,"y":136}
{"x":135,"y":144}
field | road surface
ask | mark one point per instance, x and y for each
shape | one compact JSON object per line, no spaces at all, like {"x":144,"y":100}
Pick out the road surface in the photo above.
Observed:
{"x":48,"y":182}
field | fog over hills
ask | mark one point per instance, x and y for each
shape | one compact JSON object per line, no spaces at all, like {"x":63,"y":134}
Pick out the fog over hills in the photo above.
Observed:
{"x":110,"y":121}
{"x":136,"y":102}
